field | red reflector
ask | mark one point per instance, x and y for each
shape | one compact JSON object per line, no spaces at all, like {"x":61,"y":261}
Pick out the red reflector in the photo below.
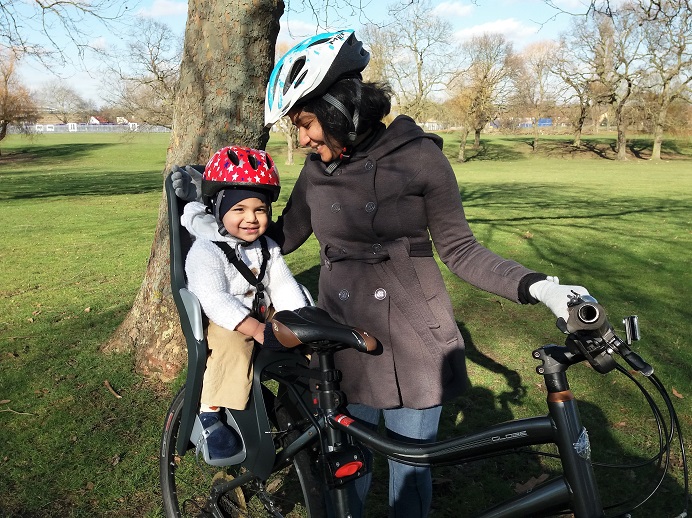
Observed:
{"x":348,"y":469}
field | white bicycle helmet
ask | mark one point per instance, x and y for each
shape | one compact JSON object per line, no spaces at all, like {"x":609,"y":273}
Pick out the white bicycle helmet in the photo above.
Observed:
{"x":310,"y":68}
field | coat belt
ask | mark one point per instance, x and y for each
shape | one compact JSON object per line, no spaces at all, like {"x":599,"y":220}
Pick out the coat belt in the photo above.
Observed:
{"x":376,"y":253}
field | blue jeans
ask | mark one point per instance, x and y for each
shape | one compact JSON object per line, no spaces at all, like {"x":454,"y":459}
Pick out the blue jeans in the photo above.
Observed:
{"x":410,"y":487}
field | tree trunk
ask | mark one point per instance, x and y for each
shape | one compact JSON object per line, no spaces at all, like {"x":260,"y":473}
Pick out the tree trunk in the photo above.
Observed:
{"x":477,"y":139}
{"x":621,"y":143}
{"x":659,"y":126}
{"x":579,"y":125}
{"x":227,"y":59}
{"x":290,"y":135}
{"x":462,"y":145}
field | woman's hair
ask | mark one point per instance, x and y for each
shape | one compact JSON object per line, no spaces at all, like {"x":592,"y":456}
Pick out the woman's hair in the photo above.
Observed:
{"x":375,"y":104}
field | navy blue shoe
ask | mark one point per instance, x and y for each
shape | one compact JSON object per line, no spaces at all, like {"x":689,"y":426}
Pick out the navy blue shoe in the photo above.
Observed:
{"x":222,"y":442}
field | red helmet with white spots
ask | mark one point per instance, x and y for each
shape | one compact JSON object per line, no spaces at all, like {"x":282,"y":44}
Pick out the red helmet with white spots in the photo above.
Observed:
{"x":241,"y":168}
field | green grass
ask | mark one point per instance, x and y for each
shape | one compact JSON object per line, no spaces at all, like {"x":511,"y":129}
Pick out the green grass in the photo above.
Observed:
{"x":78,"y":214}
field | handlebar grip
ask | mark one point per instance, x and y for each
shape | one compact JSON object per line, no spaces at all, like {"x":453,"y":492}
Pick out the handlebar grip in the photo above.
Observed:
{"x":586,"y":316}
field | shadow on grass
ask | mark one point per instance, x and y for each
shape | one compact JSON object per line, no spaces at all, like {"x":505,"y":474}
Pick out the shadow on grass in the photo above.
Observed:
{"x":512,"y":148}
{"x":38,"y":154}
{"x":27,"y":173}
{"x":493,"y":149}
{"x":45,"y":185}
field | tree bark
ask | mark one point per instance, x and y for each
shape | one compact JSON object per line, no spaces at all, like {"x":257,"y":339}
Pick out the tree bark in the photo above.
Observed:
{"x":659,"y":127}
{"x":462,"y":145}
{"x":227,"y":59}
{"x":477,"y":138}
{"x":579,"y":125}
{"x":621,"y":143}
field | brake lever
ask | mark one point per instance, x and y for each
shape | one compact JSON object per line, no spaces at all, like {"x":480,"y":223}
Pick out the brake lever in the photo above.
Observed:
{"x":587,"y":317}
{"x":633,"y":359}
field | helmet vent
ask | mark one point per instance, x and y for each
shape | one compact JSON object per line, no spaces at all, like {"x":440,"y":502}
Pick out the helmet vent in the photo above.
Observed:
{"x":253,"y":162}
{"x":295,"y":70}
{"x":319,"y":42}
{"x":232,"y":157}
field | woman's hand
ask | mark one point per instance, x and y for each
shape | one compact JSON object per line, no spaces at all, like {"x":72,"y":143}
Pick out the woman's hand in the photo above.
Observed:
{"x":556,"y":296}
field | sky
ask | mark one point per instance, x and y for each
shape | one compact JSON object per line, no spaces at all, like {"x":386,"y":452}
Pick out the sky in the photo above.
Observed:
{"x":520,"y":21}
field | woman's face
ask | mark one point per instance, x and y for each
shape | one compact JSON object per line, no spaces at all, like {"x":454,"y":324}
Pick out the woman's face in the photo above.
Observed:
{"x":310,"y":133}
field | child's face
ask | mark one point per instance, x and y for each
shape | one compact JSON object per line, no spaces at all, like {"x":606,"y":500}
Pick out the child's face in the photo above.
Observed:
{"x":248,"y":219}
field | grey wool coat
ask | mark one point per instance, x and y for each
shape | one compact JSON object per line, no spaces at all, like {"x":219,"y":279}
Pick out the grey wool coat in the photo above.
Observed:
{"x":373,"y":218}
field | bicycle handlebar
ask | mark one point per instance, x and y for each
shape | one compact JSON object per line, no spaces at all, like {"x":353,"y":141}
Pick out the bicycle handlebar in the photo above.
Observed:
{"x":592,"y":335}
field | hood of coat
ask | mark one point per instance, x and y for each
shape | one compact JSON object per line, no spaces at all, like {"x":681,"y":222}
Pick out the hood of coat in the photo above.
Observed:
{"x":200,"y":224}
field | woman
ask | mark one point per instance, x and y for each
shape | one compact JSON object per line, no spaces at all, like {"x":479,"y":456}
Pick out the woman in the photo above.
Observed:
{"x":374,"y":197}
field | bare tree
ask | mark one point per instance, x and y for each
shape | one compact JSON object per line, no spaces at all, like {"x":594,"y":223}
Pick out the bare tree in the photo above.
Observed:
{"x":573,"y":66}
{"x":63,"y":101}
{"x":147,"y":72}
{"x":615,"y":45}
{"x":481,"y":90}
{"x":536,"y":90}
{"x":424,"y":59}
{"x":668,"y":36}
{"x":16,"y":105}
{"x":26,"y":26}
{"x":381,"y":50}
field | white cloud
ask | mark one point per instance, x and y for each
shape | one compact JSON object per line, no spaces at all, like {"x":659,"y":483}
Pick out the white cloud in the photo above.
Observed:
{"x":161,"y":8}
{"x":452,"y":9}
{"x":512,"y":29}
{"x":99,"y":43}
{"x":294,"y":30}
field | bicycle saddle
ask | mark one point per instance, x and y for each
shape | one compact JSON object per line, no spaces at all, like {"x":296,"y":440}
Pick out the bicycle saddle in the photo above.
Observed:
{"x":311,"y":326}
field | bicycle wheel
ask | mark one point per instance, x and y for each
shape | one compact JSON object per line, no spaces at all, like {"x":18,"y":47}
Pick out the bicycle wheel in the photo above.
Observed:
{"x":187,"y":481}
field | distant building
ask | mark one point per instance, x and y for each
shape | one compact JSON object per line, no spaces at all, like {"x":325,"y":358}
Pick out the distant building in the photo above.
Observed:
{"x":95,"y":119}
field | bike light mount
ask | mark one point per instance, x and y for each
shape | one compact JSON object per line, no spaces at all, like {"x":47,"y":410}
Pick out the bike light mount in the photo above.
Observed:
{"x":344,"y":465}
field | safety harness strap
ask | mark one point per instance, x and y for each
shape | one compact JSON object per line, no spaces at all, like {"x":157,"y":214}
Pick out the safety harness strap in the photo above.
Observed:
{"x":259,"y":308}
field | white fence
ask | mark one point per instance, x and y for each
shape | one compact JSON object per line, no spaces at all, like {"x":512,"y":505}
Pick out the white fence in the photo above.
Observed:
{"x":74,"y":127}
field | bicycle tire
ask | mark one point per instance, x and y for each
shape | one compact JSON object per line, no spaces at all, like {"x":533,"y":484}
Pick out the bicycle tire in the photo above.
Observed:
{"x":187,"y":481}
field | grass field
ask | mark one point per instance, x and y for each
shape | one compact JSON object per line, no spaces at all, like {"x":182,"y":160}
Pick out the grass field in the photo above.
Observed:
{"x":78,"y":214}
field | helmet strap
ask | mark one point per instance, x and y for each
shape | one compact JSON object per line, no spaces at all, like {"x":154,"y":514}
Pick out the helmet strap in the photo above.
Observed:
{"x":217,"y":213}
{"x":353,"y":119}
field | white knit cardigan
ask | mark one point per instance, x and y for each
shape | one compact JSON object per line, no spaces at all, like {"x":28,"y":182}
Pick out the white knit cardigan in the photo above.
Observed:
{"x":226,"y":297}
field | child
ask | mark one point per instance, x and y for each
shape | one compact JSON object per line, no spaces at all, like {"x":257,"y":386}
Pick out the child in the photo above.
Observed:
{"x":228,"y":258}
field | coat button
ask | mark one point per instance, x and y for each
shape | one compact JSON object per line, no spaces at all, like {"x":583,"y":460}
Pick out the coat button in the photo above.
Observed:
{"x":369,"y":165}
{"x":344,"y":294}
{"x":370,"y":206}
{"x":380,"y":294}
{"x":336,"y":207}
{"x":376,"y":248}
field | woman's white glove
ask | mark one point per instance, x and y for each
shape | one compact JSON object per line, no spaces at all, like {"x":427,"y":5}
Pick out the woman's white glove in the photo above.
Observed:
{"x":556,"y":296}
{"x":187,"y":182}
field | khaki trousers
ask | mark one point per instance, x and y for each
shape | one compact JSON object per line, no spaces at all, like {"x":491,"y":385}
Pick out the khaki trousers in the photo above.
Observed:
{"x":228,"y":378}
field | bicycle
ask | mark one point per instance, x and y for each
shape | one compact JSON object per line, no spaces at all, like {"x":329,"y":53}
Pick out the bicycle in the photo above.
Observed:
{"x":302,"y":450}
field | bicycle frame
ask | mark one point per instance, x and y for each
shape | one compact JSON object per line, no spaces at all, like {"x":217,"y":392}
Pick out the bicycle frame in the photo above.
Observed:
{"x":576,"y":489}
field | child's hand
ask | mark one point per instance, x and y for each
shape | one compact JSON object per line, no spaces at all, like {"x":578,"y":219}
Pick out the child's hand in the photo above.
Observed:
{"x":187,"y":182}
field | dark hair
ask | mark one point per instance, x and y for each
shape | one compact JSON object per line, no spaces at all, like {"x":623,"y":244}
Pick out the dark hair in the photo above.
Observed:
{"x":375,"y":104}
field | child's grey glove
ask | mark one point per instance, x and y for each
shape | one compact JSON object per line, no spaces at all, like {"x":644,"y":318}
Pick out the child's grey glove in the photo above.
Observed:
{"x":556,"y":296}
{"x":187,"y":182}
